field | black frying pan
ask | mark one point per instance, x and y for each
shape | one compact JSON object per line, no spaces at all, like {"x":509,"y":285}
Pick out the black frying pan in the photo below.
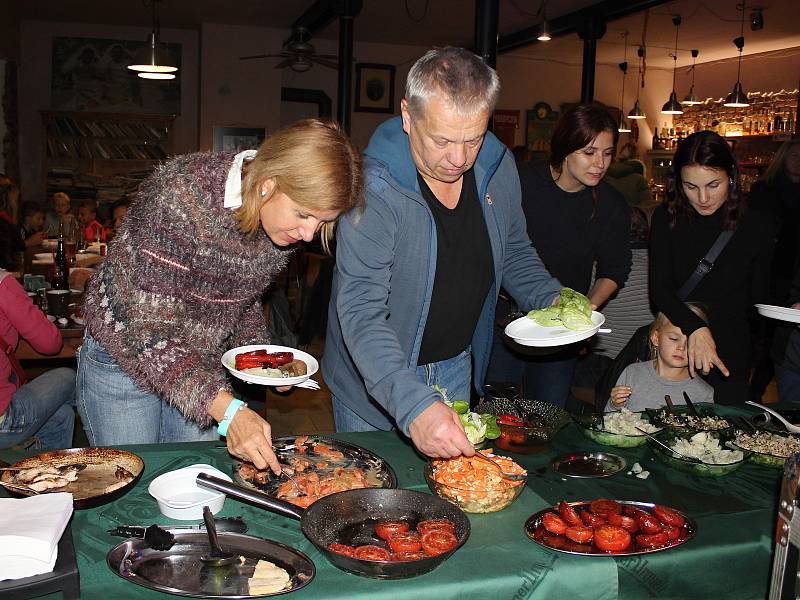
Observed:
{"x":349,"y":518}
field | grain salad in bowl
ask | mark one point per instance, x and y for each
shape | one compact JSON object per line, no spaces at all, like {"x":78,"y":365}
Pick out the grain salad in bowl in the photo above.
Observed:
{"x":768,"y":448}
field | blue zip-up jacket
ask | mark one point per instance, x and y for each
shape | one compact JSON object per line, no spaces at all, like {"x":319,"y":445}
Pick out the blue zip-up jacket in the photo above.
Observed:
{"x":385,"y":269}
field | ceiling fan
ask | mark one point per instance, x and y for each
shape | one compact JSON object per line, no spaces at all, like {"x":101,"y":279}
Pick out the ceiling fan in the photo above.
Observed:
{"x":299,"y":54}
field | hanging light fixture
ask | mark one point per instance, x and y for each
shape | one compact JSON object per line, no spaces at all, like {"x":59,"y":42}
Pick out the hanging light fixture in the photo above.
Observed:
{"x":738,"y":98}
{"x":672,"y":106}
{"x":153,"y":60}
{"x":691,"y":99}
{"x":544,"y":30}
{"x":623,"y":66}
{"x":636,"y":112}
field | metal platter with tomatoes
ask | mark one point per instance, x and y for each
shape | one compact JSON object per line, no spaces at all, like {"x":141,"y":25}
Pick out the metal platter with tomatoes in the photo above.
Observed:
{"x":605,"y":527}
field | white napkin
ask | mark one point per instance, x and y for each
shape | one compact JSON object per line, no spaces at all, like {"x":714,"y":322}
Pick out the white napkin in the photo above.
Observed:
{"x":30,"y":529}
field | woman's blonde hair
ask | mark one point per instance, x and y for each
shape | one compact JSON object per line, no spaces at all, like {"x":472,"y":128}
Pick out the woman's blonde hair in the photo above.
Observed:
{"x":314,"y":163}
{"x":777,"y":165}
{"x":662,"y":319}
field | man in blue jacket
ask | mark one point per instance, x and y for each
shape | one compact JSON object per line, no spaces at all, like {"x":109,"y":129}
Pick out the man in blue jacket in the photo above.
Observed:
{"x":417,"y":273}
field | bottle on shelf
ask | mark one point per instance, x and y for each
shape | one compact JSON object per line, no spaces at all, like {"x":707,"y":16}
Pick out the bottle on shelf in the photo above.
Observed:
{"x":656,"y":140}
{"x":60,"y":279}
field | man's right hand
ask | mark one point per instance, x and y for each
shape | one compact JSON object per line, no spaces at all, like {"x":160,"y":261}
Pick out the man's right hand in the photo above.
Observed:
{"x":437,"y":432}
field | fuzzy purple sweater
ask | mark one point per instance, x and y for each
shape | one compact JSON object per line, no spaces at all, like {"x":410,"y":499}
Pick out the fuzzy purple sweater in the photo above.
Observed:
{"x":181,"y":285}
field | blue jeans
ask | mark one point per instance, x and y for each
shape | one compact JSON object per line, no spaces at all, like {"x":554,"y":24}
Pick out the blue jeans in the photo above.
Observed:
{"x":453,"y":374}
{"x":116,"y":411}
{"x":546,"y":377}
{"x":43,"y":408}
{"x":788,"y":384}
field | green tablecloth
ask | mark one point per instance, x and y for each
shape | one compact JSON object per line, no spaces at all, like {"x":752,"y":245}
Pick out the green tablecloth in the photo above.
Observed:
{"x":730,"y":557}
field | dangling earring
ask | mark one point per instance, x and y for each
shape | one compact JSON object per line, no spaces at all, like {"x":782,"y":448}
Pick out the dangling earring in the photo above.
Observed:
{"x":263,"y":193}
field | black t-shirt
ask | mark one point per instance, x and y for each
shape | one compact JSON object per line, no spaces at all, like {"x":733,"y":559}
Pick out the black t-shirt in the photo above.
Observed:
{"x":573,"y":230}
{"x":464,"y":273}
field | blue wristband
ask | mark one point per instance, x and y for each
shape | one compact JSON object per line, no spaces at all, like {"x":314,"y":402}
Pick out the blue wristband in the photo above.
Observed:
{"x":235,"y":406}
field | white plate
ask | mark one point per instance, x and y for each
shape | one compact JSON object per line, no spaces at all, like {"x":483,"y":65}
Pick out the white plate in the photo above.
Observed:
{"x":49,"y":243}
{"x":43,"y":257}
{"x":229,"y":360}
{"x":792,"y":315}
{"x":77,"y":319}
{"x":527,"y":332}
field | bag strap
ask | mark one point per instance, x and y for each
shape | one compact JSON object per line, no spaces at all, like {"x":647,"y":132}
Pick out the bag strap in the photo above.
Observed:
{"x":6,"y":348}
{"x":706,"y":264}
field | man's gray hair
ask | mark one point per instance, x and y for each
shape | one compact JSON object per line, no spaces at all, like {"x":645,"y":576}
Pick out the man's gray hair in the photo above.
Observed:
{"x":461,"y":77}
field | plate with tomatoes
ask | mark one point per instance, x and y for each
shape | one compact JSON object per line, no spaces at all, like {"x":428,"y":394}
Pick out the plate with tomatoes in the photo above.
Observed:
{"x":604,"y":527}
{"x":285,"y":365}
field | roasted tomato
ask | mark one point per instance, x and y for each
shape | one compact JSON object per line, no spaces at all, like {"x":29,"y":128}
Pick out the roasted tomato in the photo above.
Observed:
{"x":627,"y":523}
{"x":539,"y":532}
{"x":673,"y":533}
{"x":281,"y":358}
{"x":668,"y":516}
{"x":554,"y":541}
{"x":655,"y":540}
{"x":408,"y":556}
{"x":591,"y":519}
{"x":553,"y":523}
{"x":605,"y":507}
{"x":431,"y":524}
{"x":569,"y":514}
{"x":385,"y":529}
{"x":611,"y":538}
{"x":342,"y":549}
{"x":405,"y":541}
{"x":370,"y":552}
{"x":648,"y":523}
{"x":579,"y":533}
{"x":438,"y":542}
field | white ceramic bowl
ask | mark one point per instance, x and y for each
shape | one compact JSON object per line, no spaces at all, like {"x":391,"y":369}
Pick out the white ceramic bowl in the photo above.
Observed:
{"x":179,"y":496}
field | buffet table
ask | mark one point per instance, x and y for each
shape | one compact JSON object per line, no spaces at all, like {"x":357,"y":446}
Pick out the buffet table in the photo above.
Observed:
{"x":730,"y":557}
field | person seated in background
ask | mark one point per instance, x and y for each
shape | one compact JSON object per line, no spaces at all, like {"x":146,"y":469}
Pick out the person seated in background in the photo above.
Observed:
{"x":118,"y":213}
{"x":644,"y":384}
{"x":93,"y":230}
{"x":627,"y":175}
{"x":9,"y":198}
{"x":61,"y":214}
{"x":42,"y":408}
{"x":31,"y":223}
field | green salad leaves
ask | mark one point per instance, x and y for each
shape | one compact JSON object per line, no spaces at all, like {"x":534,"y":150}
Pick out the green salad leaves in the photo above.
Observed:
{"x":478,"y":427}
{"x":573,"y":312}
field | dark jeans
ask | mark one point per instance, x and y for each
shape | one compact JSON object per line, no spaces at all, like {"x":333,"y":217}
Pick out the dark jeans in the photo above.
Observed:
{"x":545,"y":377}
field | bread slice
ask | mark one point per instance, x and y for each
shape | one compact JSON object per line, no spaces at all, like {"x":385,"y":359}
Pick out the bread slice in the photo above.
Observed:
{"x":294,"y":368}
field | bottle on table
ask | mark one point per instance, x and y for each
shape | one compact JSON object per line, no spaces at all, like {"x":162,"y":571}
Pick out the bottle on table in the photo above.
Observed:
{"x":60,"y":279}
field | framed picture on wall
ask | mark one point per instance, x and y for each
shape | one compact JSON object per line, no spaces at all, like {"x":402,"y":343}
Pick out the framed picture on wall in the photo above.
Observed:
{"x":374,"y":88}
{"x":236,"y":139}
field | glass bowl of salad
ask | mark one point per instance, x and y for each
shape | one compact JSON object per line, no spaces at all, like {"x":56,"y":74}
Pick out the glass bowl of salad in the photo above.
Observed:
{"x":526,"y":426}
{"x":767,"y":448}
{"x":474,"y":485}
{"x":616,"y":428}
{"x":712,"y":457}
{"x":680,"y":420}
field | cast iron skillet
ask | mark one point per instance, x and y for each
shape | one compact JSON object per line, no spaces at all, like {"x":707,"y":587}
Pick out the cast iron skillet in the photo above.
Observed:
{"x":349,"y":517}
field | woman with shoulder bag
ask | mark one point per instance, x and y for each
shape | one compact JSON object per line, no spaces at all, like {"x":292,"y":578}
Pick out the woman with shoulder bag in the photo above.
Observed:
{"x":706,"y":247}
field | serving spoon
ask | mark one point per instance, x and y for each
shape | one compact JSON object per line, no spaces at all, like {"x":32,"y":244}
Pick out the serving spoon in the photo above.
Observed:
{"x":217,"y":557}
{"x":669,"y":448}
{"x":505,"y":475}
{"x":789,"y":427}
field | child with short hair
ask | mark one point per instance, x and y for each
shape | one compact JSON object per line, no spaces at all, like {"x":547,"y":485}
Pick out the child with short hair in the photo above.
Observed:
{"x":644,"y":384}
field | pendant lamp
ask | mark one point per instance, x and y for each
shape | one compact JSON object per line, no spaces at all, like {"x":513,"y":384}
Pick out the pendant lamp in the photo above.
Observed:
{"x":623,"y":66}
{"x":691,"y":99}
{"x":672,"y":106}
{"x":544,"y":29}
{"x":738,"y":97}
{"x":636,"y":112}
{"x":153,"y":60}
